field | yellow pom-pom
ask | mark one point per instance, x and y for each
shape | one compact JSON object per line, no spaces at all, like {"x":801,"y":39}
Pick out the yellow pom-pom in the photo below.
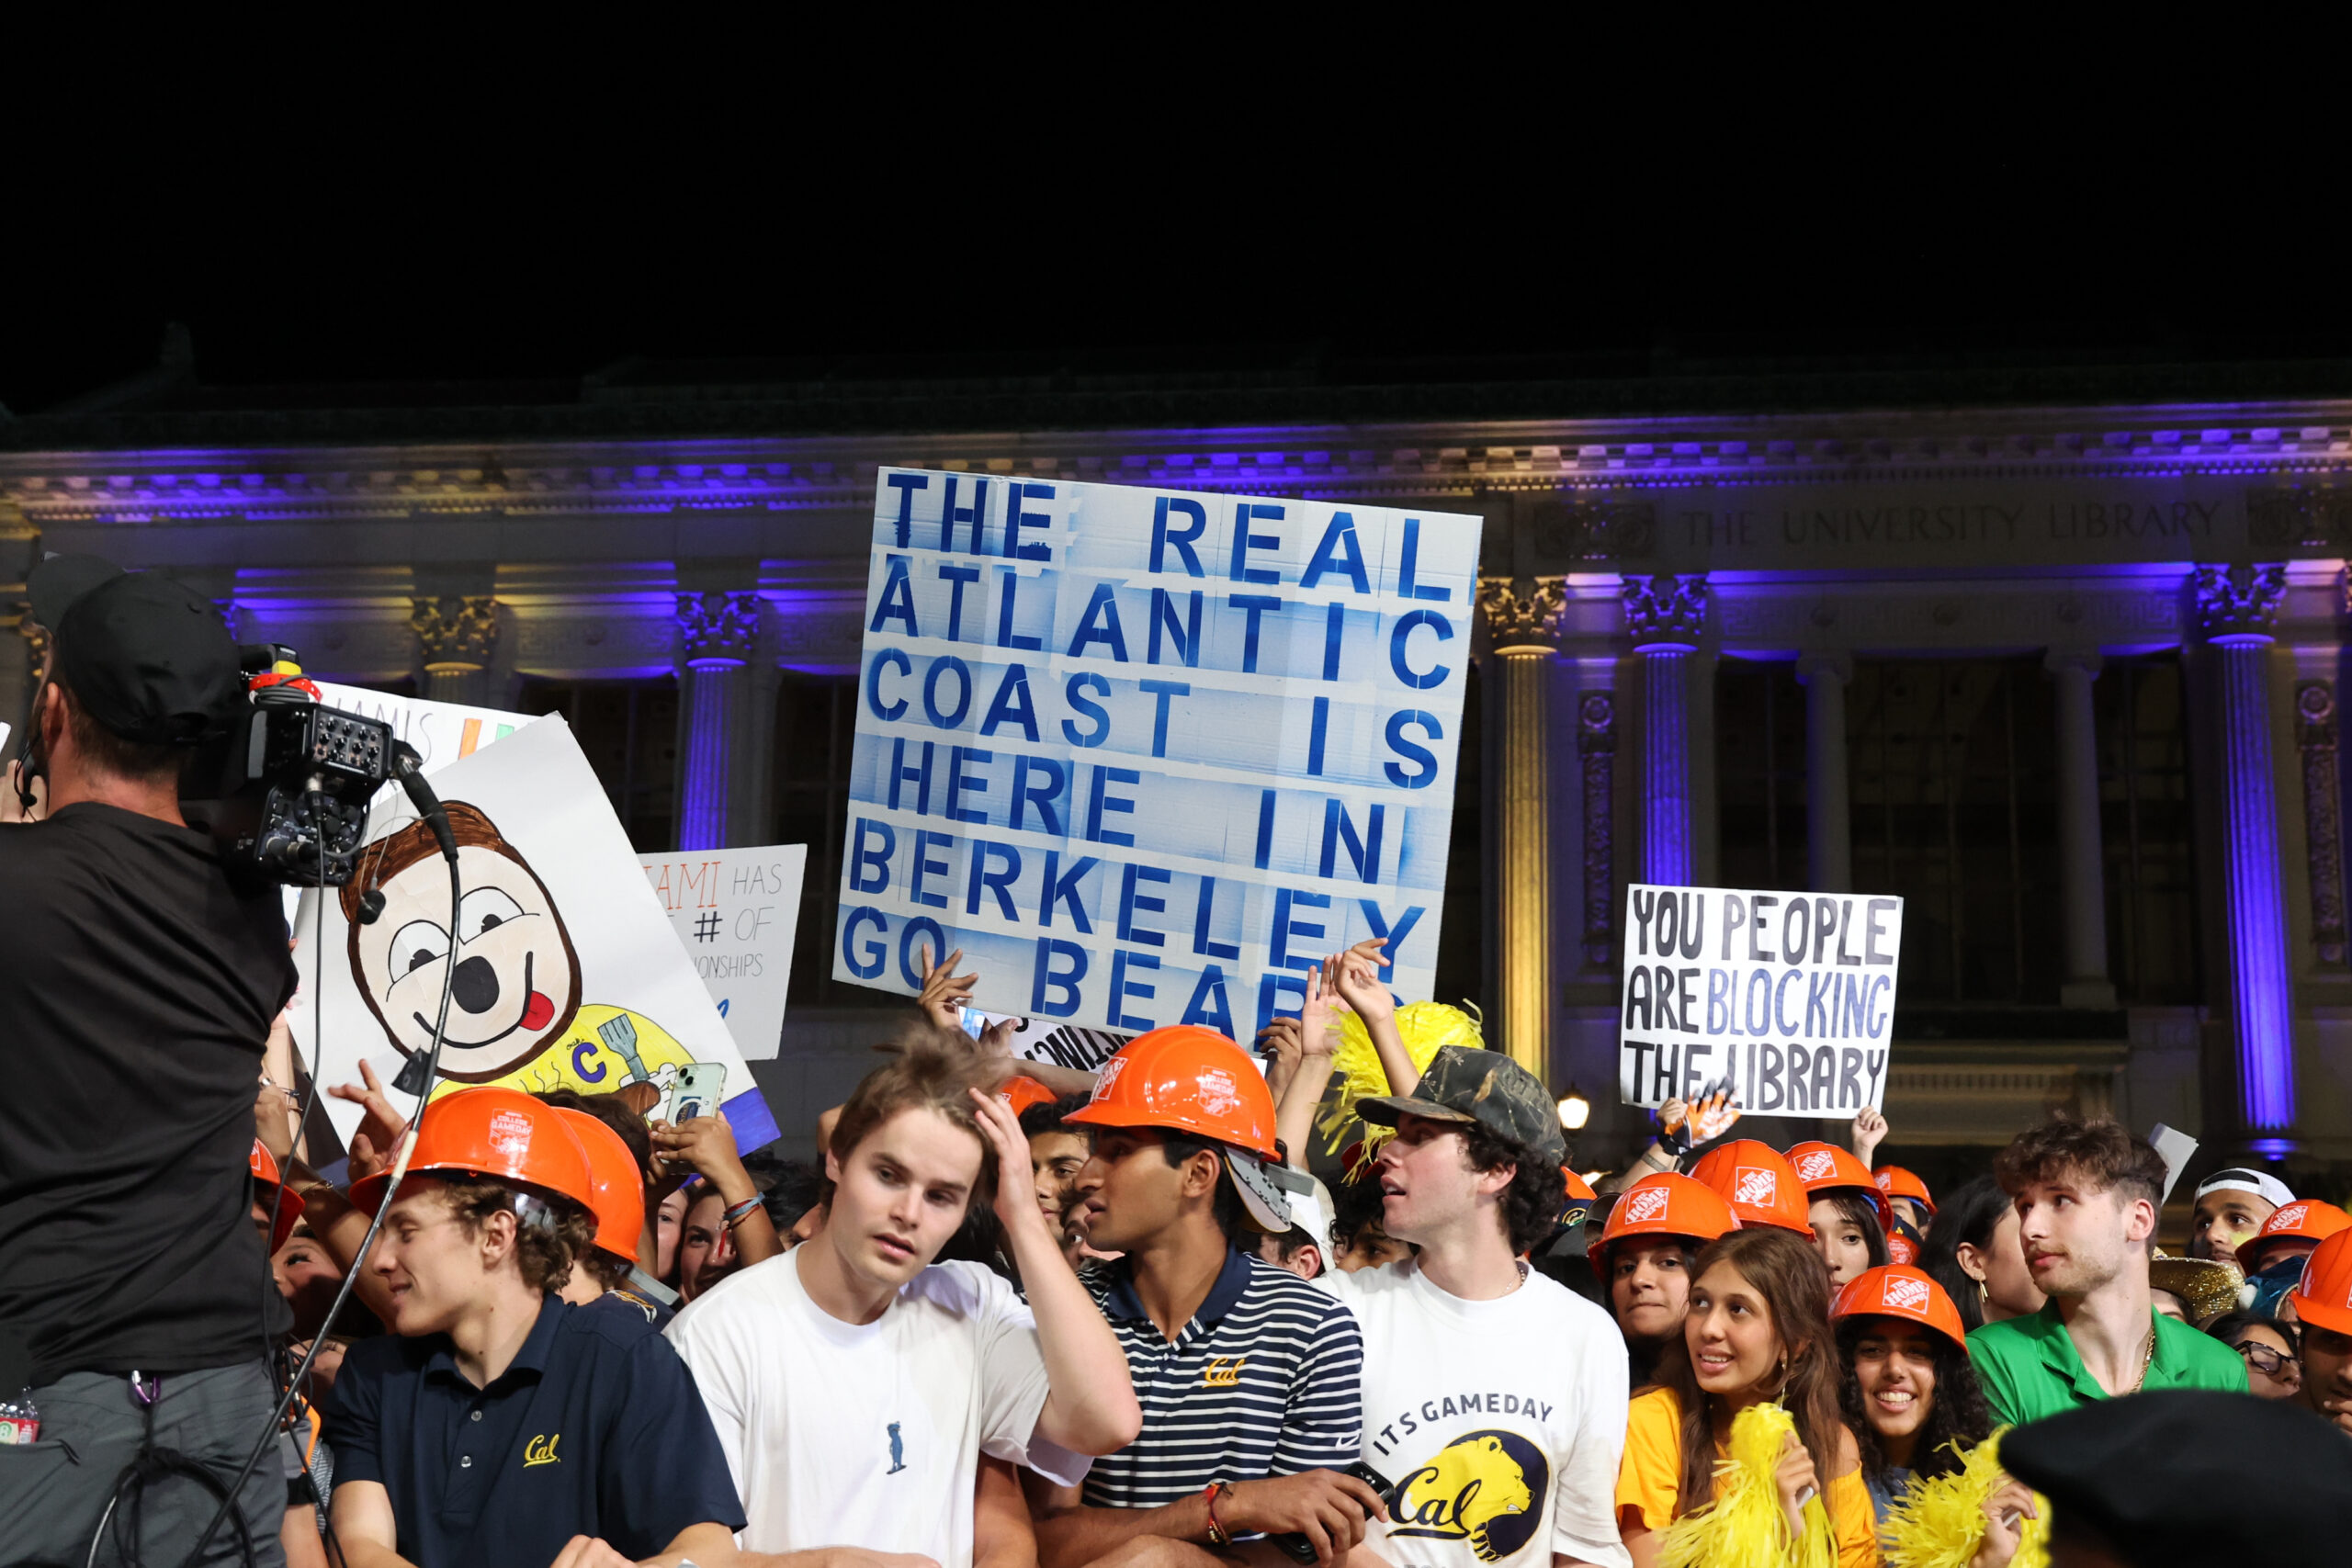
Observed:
{"x":1425,"y":1027}
{"x":1939,"y":1522}
{"x":1744,"y":1527}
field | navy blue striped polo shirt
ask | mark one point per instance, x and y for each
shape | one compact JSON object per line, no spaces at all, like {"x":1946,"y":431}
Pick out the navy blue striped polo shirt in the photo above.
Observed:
{"x":1263,"y":1381}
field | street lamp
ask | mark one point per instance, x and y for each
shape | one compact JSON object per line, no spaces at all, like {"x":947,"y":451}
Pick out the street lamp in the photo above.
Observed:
{"x":1575,"y":1110}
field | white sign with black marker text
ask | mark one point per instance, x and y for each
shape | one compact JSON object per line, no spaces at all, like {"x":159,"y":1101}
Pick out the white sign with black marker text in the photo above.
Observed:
{"x":1789,"y":996}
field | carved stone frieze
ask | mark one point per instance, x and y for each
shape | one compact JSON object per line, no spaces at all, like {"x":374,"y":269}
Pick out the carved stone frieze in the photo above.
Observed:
{"x":1597,"y":748}
{"x":1586,"y":529}
{"x":457,"y":630}
{"x":1513,"y":621}
{"x":2239,"y":604}
{"x":2295,"y":517}
{"x":1666,"y":611}
{"x":1880,"y":617}
{"x":717,"y":627}
{"x":2316,"y":733}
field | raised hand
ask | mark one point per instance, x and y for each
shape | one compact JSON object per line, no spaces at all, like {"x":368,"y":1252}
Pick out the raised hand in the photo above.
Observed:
{"x":1867,"y":1133}
{"x":945,"y":994}
{"x":377,"y":1142}
{"x":1016,"y":1196}
{"x":1714,"y":1114}
{"x":1357,"y":975}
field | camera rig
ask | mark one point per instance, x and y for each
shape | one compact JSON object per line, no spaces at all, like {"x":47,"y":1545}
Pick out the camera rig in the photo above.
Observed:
{"x":286,"y":791}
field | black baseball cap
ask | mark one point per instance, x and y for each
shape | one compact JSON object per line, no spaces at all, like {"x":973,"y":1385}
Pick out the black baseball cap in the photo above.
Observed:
{"x":144,"y":657}
{"x":1465,"y":1085}
{"x":2167,"y":1476}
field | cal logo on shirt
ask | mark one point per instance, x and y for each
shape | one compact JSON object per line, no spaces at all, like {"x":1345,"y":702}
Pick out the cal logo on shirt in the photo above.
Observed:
{"x":1225,"y":1372}
{"x":1484,"y":1487}
{"x":541,"y":1450}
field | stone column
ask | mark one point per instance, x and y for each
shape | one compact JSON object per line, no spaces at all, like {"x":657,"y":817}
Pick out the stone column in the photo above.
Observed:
{"x":1525,"y":634}
{"x":456,"y":636}
{"x":1828,"y":811}
{"x":1666,"y":616}
{"x":719,"y":632}
{"x":2238,"y":608}
{"x":2082,"y":871}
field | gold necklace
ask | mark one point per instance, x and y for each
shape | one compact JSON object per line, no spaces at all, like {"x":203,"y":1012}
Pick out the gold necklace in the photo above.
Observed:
{"x":2147,"y":1360}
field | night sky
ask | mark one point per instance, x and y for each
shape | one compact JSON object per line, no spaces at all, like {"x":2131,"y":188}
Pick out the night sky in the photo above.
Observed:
{"x":1859,"y":252}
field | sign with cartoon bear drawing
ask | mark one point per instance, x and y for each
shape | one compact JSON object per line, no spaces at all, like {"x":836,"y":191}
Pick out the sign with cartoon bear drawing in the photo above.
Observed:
{"x":567,"y":974}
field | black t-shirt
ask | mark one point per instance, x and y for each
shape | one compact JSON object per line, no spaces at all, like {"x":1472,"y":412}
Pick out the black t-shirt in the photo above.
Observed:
{"x":137,"y":988}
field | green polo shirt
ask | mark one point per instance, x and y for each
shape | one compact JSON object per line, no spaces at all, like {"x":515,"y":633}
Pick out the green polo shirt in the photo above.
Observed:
{"x":2030,"y":1369}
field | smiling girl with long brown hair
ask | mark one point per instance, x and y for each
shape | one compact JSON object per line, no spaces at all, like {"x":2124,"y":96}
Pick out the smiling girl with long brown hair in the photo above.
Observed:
{"x":1757,"y":1331}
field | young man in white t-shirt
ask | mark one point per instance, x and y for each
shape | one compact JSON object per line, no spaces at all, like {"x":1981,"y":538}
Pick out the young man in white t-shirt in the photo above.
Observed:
{"x":855,"y":1384}
{"x":1494,"y":1399}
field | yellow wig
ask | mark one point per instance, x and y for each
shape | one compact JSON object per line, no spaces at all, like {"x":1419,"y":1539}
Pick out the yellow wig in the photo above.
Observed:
{"x":1425,"y":1027}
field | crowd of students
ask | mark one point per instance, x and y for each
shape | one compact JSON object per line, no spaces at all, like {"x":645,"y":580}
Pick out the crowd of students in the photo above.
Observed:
{"x":1024,"y":1317}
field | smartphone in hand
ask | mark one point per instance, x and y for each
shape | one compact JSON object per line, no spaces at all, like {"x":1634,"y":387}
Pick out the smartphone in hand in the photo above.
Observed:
{"x":697,"y":1091}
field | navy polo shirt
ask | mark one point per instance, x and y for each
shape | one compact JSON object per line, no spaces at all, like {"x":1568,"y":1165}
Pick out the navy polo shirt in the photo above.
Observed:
{"x":597,"y":1429}
{"x":1263,"y":1381}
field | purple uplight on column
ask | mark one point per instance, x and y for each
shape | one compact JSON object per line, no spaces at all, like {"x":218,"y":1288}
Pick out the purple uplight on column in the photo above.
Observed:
{"x":2237,"y":607}
{"x":1666,"y":616}
{"x":720,"y":632}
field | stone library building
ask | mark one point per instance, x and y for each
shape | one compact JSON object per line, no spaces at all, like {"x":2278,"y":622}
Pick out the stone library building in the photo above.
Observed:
{"x":2052,"y":654}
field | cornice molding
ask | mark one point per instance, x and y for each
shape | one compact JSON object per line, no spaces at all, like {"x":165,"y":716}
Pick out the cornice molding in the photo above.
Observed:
{"x":2298,"y":444}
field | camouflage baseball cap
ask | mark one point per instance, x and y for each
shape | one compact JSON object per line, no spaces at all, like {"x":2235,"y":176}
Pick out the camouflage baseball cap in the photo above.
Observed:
{"x":1486,"y":1087}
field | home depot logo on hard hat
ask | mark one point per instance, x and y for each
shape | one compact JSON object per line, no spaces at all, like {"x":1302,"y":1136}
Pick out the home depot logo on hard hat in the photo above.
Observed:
{"x":1110,"y":1071}
{"x":1816,"y":1165}
{"x":1219,"y":1095}
{"x":510,"y":1133}
{"x":1885,"y":1181}
{"x":2289,"y":1218}
{"x":1905,"y":1294}
{"x":1755,"y":1186}
{"x":1646,"y":1203}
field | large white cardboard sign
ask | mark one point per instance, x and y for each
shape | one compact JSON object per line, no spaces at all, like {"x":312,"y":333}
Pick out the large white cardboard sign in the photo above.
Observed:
{"x":735,"y":912}
{"x":568,"y":975}
{"x":1790,"y":996}
{"x":1146,"y":756}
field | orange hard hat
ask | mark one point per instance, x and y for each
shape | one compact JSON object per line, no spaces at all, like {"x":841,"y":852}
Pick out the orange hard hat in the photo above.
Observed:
{"x":2325,"y":1294}
{"x":1894,"y":1290}
{"x":496,"y":1133}
{"x":1578,"y":1188}
{"x":1897,"y":1182}
{"x":1826,"y":1167}
{"x":1023,"y":1093}
{"x":1664,"y":1205}
{"x":1761,"y":1186}
{"x":2305,"y":1219}
{"x":619,"y":1200}
{"x":1186,"y":1078}
{"x":290,"y":1203}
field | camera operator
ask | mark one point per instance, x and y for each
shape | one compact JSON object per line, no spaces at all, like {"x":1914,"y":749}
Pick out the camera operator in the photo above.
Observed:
{"x":135,"y":993}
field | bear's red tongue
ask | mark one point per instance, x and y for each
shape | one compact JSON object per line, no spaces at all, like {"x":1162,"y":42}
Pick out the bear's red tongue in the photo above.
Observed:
{"x":537,"y":1010}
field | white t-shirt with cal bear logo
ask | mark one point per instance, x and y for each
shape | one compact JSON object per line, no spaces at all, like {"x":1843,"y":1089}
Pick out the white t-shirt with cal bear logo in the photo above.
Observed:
{"x":1501,"y":1422}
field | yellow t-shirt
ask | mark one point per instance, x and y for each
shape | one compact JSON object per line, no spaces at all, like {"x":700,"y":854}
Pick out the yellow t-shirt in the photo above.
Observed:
{"x":1649,"y":1481}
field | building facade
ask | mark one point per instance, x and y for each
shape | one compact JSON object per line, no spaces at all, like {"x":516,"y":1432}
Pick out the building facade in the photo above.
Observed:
{"x":2064,"y":674}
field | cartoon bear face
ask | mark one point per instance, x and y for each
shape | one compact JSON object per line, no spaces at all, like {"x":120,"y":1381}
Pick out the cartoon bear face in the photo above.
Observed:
{"x":516,"y":986}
